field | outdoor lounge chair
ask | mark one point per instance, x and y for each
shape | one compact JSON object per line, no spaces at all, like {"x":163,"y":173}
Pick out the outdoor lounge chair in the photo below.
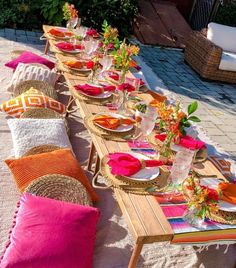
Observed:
{"x":212,"y":52}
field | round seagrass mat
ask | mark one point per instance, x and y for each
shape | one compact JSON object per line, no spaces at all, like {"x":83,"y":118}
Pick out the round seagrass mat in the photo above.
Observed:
{"x":106,"y":134}
{"x":46,"y":148}
{"x":126,"y":184}
{"x":220,"y":216}
{"x":44,"y":113}
{"x":201,"y":154}
{"x":42,"y":86}
{"x":61,"y":67}
{"x":60,"y":187}
{"x":54,"y":49}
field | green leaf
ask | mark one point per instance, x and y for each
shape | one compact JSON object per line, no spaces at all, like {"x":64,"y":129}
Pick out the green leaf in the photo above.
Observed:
{"x":192,"y":107}
{"x":194,"y":119}
{"x":187,"y":124}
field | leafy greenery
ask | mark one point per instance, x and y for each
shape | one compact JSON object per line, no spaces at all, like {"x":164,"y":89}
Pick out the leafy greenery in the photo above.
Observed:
{"x":227,"y":15}
{"x":31,"y":14}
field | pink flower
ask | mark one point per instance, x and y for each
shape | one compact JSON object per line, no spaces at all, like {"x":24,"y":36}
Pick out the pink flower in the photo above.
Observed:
{"x":90,"y":65}
{"x":126,"y":86}
{"x":110,"y":46}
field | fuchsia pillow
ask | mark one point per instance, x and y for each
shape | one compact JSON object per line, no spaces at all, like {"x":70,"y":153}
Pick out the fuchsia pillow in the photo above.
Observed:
{"x":29,"y":57}
{"x":50,"y":233}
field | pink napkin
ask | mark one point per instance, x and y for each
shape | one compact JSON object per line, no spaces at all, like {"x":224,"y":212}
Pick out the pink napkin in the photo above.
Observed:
{"x":93,"y":90}
{"x":186,"y":141}
{"x":124,"y":164}
{"x":92,"y":32}
{"x":68,"y":46}
{"x":127,"y":87}
{"x":114,"y":76}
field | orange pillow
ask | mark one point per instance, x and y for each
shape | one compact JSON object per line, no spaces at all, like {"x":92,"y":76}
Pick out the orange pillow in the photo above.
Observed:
{"x":30,"y":99}
{"x":27,"y":169}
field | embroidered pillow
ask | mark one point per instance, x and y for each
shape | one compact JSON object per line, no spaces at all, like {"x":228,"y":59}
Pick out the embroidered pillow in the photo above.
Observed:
{"x":26,"y":72}
{"x":30,"y":99}
{"x":28,"y":133}
{"x":29,"y":57}
{"x":50,"y":233}
{"x":27,"y":169}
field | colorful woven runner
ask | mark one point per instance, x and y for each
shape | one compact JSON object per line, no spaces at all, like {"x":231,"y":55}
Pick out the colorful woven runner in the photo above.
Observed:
{"x":175,"y":209}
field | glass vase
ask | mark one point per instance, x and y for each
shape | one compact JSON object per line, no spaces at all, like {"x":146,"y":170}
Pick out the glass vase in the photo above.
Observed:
{"x":165,"y":151}
{"x":71,"y":24}
{"x":122,"y":76}
{"x":122,"y":102}
{"x":195,"y":218}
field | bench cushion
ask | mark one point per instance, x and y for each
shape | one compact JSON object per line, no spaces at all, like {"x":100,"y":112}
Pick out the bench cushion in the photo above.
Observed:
{"x":222,"y":36}
{"x":228,"y":61}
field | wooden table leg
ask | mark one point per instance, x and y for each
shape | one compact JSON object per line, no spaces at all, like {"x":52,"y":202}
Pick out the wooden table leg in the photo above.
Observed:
{"x":46,"y":48}
{"x":97,"y":165}
{"x":91,"y":156}
{"x":135,"y":255}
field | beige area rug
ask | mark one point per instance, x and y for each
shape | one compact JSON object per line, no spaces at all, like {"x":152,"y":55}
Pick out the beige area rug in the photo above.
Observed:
{"x":114,"y":243}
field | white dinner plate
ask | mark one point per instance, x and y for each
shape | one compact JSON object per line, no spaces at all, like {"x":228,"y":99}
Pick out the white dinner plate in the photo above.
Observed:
{"x":104,"y":95}
{"x":147,"y":173}
{"x":78,"y":70}
{"x":122,"y":128}
{"x":213,"y":184}
{"x":76,"y":51}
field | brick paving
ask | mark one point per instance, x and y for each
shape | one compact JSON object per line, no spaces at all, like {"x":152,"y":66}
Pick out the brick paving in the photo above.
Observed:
{"x":217,"y":101}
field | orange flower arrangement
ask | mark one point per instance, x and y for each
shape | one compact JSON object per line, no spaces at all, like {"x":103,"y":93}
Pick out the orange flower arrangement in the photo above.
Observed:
{"x":69,"y":11}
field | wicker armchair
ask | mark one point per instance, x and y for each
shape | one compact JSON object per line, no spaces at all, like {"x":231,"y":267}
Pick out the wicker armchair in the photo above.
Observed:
{"x":204,"y":57}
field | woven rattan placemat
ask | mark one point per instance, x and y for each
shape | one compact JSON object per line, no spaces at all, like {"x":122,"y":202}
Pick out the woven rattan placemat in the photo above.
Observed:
{"x":126,"y":184}
{"x":106,"y":134}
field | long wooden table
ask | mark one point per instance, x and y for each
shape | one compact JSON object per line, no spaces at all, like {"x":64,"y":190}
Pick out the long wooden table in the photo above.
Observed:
{"x":143,"y":214}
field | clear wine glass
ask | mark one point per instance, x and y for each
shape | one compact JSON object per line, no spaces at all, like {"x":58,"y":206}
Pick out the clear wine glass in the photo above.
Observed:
{"x":106,"y":63}
{"x":147,"y":125}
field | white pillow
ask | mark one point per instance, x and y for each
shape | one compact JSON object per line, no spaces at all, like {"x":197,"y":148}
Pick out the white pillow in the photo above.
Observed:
{"x":27,"y":133}
{"x":222,"y":36}
{"x":25,"y":72}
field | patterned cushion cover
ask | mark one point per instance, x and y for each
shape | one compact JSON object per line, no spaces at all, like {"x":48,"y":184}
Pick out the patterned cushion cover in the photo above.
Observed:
{"x":25,"y":72}
{"x":29,"y":99}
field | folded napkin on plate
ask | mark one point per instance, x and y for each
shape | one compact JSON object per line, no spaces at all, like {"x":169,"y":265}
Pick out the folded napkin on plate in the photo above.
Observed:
{"x":68,"y":46}
{"x":111,"y":122}
{"x":133,"y":64}
{"x":114,"y":76}
{"x":228,"y":191}
{"x":186,"y":141}
{"x":92,"y":32}
{"x":124,"y":164}
{"x":60,"y":33}
{"x":93,"y":90}
{"x":75,"y":64}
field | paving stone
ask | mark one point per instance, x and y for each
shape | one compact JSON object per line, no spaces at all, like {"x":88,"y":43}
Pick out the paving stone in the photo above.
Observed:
{"x":2,"y":34}
{"x":10,"y":31}
{"x":30,"y":33}
{"x":20,"y":32}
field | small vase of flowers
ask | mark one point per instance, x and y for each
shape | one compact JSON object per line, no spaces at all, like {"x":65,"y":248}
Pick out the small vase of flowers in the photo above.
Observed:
{"x":70,"y":15}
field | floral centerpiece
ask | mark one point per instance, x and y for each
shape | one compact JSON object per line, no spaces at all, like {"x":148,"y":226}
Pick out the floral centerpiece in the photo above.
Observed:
{"x":173,"y":121}
{"x":123,"y":58}
{"x":202,"y":201}
{"x":70,"y":14}
{"x":110,"y":38}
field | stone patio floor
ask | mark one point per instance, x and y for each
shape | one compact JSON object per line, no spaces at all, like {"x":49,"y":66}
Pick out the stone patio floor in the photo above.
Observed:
{"x":217,"y":101}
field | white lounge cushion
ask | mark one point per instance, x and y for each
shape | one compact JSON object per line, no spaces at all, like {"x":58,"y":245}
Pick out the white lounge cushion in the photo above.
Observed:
{"x":228,"y":61}
{"x":27,"y":133}
{"x":25,"y":72}
{"x":222,"y":36}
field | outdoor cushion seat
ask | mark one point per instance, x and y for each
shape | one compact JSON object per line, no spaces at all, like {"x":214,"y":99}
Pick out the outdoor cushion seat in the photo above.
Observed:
{"x":228,"y":61}
{"x":212,"y":51}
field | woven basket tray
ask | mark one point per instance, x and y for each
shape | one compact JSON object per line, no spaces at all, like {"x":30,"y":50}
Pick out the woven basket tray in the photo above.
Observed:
{"x":39,"y":85}
{"x":135,"y":186}
{"x":106,"y":134}
{"x":46,"y":148}
{"x":60,"y":187}
{"x":44,"y":113}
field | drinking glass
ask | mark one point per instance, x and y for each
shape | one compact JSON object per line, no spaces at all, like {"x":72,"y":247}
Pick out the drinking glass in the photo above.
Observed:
{"x":147,"y":125}
{"x":106,"y":63}
{"x":71,"y":24}
{"x":90,"y":46}
{"x":81,"y":32}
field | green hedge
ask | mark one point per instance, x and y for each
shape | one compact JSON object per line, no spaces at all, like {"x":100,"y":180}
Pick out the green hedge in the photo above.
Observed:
{"x":31,"y":14}
{"x":226,"y":15}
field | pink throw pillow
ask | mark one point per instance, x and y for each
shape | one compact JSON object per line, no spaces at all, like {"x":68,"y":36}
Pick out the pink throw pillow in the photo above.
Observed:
{"x":29,"y":57}
{"x":50,"y":233}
